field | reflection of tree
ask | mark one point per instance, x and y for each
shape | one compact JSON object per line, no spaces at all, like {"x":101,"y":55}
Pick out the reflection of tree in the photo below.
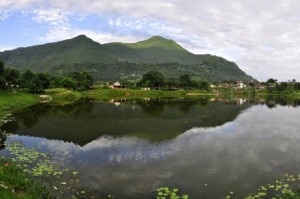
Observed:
{"x":156,"y":119}
{"x":11,"y":127}
{"x":152,"y":107}
{"x":155,"y":107}
{"x":186,"y":105}
{"x":80,"y":108}
{"x":30,"y":116}
{"x":2,"y":140}
{"x":272,"y":101}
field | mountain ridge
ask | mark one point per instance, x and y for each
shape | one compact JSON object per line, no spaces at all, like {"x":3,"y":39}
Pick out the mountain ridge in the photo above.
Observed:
{"x":117,"y":61}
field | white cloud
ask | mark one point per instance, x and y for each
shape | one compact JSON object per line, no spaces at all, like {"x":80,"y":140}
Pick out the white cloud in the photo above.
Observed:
{"x":54,"y":17}
{"x":62,"y":33}
{"x":261,"y":36}
{"x":4,"y":14}
{"x":4,"y":48}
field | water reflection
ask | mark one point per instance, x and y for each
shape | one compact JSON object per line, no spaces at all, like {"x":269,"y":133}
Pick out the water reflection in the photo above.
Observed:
{"x":155,"y":120}
{"x":239,"y":155}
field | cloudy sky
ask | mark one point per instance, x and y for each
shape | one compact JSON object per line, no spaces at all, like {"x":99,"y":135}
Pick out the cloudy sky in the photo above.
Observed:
{"x":262,"y":37}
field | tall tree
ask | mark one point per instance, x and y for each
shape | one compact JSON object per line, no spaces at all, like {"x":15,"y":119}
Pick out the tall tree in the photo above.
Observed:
{"x":2,"y":69}
{"x":3,"y":83}
{"x":185,"y":80}
{"x":11,"y":75}
{"x":152,"y":79}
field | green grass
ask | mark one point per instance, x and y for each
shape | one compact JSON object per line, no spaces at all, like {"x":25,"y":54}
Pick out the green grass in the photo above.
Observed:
{"x":106,"y":94}
{"x":62,"y":96}
{"x":11,"y":102}
{"x":15,"y":184}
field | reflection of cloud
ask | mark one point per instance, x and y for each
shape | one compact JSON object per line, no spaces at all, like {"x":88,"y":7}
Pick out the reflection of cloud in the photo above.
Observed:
{"x":260,"y":144}
{"x":248,"y":124}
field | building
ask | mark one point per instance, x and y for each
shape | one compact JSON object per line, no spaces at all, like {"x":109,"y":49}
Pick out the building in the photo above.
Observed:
{"x":240,"y":84}
{"x":117,"y":85}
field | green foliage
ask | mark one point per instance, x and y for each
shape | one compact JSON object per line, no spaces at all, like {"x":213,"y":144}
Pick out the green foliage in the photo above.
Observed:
{"x":39,"y":165}
{"x":62,"y":96}
{"x":83,"y":80}
{"x":185,"y":81}
{"x":152,"y":79}
{"x":271,"y":81}
{"x":10,"y":101}
{"x":115,"y":61}
{"x":167,"y":193}
{"x":155,"y":79}
{"x":15,"y":184}
{"x":279,"y":189}
{"x":31,"y":81}
{"x":38,"y":82}
{"x":3,"y":82}
{"x":11,"y":75}
{"x":68,"y":82}
{"x":33,"y":162}
{"x":2,"y":69}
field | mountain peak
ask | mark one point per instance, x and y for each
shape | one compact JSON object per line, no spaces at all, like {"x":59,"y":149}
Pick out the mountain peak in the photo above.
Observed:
{"x":158,"y":42}
{"x":81,"y":37}
{"x":157,"y":37}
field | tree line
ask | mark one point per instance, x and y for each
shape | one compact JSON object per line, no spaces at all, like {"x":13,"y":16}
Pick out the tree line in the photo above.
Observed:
{"x":155,"y":79}
{"x":37,"y":82}
{"x":272,"y":85}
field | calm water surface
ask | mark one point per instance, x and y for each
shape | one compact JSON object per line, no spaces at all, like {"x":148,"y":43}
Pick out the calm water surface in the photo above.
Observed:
{"x":130,"y":148}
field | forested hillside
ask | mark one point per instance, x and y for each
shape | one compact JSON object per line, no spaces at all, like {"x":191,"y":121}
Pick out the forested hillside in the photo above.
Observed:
{"x":120,"y":61}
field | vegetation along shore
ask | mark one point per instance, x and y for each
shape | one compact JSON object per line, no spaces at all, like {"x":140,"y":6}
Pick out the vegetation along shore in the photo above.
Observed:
{"x":20,"y":90}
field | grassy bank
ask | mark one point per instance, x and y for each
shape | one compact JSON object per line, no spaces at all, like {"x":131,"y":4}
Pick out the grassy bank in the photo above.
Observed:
{"x":62,"y":96}
{"x":15,"y":184}
{"x":13,"y":101}
{"x":105,"y":94}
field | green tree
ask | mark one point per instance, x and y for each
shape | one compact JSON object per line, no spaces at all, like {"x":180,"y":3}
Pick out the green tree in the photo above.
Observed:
{"x":30,"y":81}
{"x":3,"y":84}
{"x":185,"y":80}
{"x":42,"y":81}
{"x":84,"y":80}
{"x":69,"y":83}
{"x":2,"y":69}
{"x":152,"y":79}
{"x":271,"y":81}
{"x":172,"y":83}
{"x":11,"y":75}
{"x":204,"y":85}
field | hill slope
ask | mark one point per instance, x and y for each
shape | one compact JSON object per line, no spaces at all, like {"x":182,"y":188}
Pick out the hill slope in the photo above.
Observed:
{"x":154,"y":50}
{"x":115,"y":61}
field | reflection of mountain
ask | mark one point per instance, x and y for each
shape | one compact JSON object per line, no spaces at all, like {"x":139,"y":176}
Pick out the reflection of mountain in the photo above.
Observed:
{"x":153,"y":120}
{"x":240,"y":156}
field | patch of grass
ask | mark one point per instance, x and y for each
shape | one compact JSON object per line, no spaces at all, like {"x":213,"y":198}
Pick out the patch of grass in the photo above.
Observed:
{"x":13,"y":101}
{"x":63,"y":96}
{"x":105,"y":94}
{"x":39,"y":167}
{"x":15,"y":184}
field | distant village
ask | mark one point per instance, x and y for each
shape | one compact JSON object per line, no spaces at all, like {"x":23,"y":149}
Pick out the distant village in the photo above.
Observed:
{"x":270,"y":84}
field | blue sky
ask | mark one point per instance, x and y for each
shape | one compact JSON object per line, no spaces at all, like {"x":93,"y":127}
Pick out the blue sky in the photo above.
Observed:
{"x":262,"y":37}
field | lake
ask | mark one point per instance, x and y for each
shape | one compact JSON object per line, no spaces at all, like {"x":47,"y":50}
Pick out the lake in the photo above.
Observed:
{"x":128,"y":148}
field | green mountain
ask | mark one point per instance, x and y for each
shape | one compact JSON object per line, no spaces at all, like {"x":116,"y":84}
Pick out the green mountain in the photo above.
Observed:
{"x":117,"y":61}
{"x":154,"y":50}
